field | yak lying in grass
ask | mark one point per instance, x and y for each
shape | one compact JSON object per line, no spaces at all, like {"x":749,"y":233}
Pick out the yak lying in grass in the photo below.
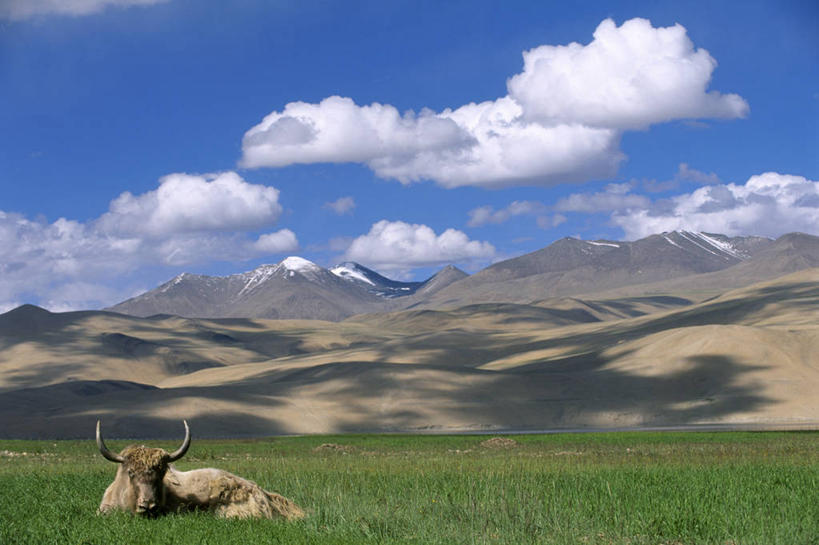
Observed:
{"x":146,"y":484}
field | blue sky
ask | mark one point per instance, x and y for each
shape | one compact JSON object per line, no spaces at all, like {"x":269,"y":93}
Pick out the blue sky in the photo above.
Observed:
{"x":144,"y":138}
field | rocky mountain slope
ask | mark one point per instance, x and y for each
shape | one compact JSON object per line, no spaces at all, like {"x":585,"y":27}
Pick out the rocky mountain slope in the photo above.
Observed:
{"x":294,"y":288}
{"x":668,"y":263}
{"x":571,"y":267}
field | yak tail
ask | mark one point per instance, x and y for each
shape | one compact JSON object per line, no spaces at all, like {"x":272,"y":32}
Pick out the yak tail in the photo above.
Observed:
{"x":284,"y":507}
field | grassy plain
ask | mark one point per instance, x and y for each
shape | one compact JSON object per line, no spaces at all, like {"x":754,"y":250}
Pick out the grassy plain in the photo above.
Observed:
{"x":630,"y":488}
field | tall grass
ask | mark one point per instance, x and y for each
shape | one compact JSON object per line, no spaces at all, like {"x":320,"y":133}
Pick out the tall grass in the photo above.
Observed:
{"x":636,"y":488}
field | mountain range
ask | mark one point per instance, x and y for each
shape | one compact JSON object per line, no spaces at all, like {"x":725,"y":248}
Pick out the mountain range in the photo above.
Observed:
{"x":292,"y":289}
{"x":677,"y":329}
{"x":299,"y":289}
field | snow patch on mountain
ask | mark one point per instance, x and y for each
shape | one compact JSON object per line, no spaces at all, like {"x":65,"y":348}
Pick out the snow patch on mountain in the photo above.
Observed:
{"x":703,"y":242}
{"x":668,"y":239}
{"x":374,"y":282}
{"x":256,"y":277}
{"x":176,"y":280}
{"x":724,"y":246}
{"x":299,"y":264}
{"x":597,"y":243}
{"x":350,"y":271}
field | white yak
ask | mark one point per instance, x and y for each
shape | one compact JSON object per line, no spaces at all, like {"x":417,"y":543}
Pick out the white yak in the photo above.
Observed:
{"x":146,"y":484}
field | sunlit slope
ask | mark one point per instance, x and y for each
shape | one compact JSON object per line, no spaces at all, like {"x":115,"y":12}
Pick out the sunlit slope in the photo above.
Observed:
{"x":654,"y":266}
{"x":748,"y":356}
{"x":38,"y":347}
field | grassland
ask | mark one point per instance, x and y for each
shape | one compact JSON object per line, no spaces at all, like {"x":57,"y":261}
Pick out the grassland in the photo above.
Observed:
{"x":635,"y":488}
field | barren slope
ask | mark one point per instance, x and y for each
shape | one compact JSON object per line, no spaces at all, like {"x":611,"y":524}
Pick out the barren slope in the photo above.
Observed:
{"x":748,"y":356}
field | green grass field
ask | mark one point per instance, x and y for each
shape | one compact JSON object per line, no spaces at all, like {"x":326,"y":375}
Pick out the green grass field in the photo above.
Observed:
{"x":636,"y":488}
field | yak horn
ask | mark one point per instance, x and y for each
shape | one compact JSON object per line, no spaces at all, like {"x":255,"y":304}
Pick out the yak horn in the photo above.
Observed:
{"x":180,"y":452}
{"x":104,"y":450}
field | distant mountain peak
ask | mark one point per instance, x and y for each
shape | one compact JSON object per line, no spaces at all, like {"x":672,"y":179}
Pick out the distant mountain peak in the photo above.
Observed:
{"x":352,"y":271}
{"x":298,"y":288}
{"x":179,"y":279}
{"x":373,"y":282}
{"x":28,"y":310}
{"x":299,"y":264}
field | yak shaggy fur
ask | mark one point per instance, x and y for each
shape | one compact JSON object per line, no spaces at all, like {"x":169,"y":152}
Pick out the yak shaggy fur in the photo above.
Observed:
{"x":214,"y":490}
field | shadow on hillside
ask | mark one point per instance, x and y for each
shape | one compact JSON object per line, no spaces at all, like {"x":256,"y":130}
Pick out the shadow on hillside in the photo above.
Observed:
{"x":131,"y":410}
{"x":459,"y":347}
{"x":441,"y":389}
{"x":173,"y":349}
{"x":579,"y":393}
{"x":374,"y":397}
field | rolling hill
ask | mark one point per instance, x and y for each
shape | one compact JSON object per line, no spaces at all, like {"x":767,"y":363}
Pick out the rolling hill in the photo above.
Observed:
{"x":744,"y":357}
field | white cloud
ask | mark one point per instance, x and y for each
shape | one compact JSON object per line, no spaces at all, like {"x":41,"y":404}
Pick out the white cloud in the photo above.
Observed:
{"x":768,"y":204}
{"x":506,"y":151}
{"x":628,"y":77}
{"x":488,"y":215}
{"x":561,"y":122}
{"x":68,"y":264}
{"x":483,"y":144}
{"x":42,"y":259}
{"x":24,"y":9}
{"x":278,"y":242}
{"x":614,"y":197}
{"x":398,"y":246}
{"x":186,"y":203}
{"x":341,"y":206}
{"x":337,"y":130}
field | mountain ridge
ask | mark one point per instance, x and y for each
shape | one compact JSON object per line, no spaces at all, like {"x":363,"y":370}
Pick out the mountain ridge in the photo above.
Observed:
{"x":571,"y":266}
{"x":297,"y":288}
{"x":294,"y":288}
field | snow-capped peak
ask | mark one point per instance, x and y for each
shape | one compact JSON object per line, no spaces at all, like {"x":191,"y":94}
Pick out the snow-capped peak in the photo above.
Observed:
{"x":351,"y":271}
{"x":299,"y":264}
{"x":287,"y":269}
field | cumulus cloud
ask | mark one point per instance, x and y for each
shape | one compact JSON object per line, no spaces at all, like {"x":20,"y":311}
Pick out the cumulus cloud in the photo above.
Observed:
{"x":68,"y":264}
{"x":341,"y":206}
{"x":488,"y":215}
{"x":628,"y":77}
{"x":46,"y":259}
{"x":769,"y":204}
{"x":24,"y":9}
{"x":278,"y":242}
{"x":337,"y":130}
{"x":399,"y":246}
{"x":561,"y":121}
{"x":186,"y":203}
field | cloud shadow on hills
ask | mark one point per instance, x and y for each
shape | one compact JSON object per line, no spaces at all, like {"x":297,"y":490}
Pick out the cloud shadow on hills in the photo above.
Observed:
{"x":377,"y":397}
{"x":136,"y":343}
{"x":441,"y":389}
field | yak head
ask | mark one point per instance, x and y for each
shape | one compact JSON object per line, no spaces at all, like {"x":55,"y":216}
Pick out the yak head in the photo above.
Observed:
{"x":142,"y":471}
